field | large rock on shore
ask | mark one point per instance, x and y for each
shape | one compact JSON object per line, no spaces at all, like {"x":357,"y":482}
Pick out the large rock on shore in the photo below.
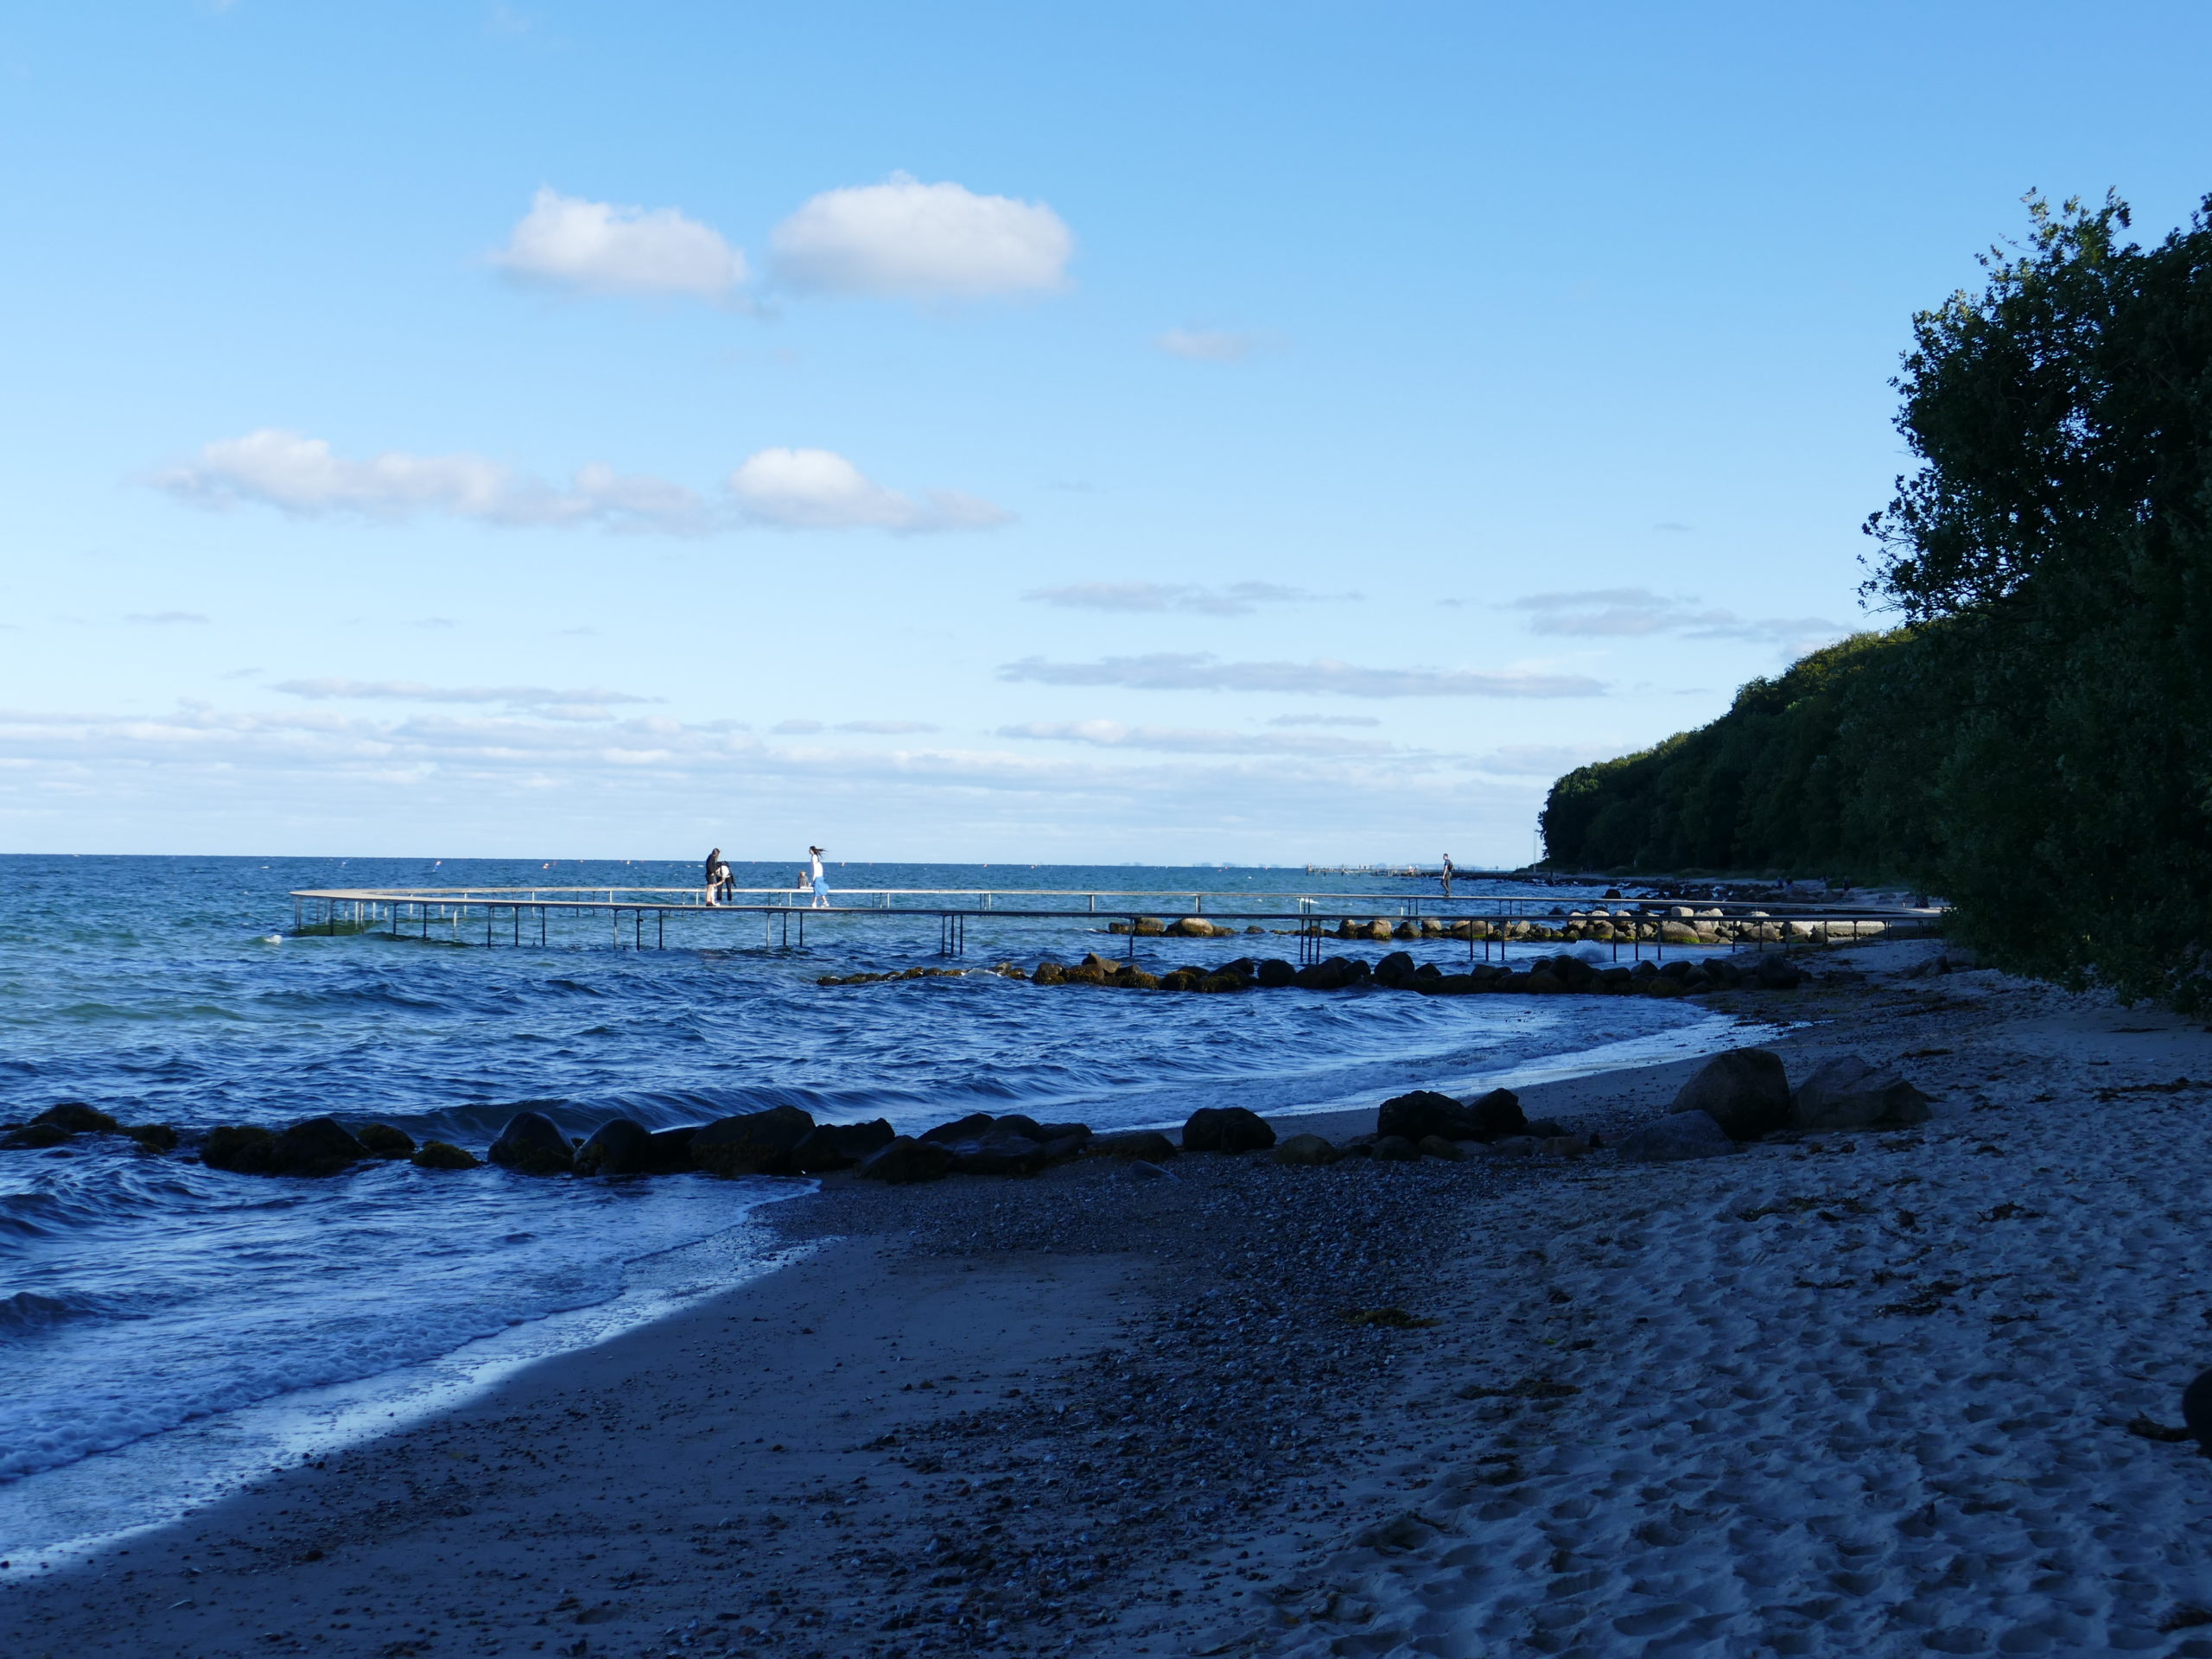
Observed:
{"x":1745,"y":1091}
{"x":1424,"y":1113}
{"x":1848,"y":1093}
{"x":531,"y":1145}
{"x":1226,"y":1129}
{"x":1674,"y":1138}
{"x":1305,"y":1149}
{"x":999,"y":1150}
{"x":1150,"y":1145}
{"x":906,"y":1161}
{"x":1497,"y":1114}
{"x":752,"y":1143}
{"x":840,"y":1146}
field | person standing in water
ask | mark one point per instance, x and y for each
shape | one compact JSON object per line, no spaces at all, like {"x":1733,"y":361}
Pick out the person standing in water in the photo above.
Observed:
{"x":817,"y":879}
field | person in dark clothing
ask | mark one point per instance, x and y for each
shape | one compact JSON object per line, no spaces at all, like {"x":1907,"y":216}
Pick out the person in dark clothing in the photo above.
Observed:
{"x":718,"y":876}
{"x":1447,"y":875}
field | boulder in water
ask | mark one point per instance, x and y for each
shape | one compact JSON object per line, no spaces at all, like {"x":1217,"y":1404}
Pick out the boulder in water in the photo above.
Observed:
{"x":906,"y":1161}
{"x":442,"y":1154}
{"x":32,"y":1137}
{"x":241,"y":1148}
{"x":668,"y":1151}
{"x":755,"y":1143}
{"x":619,"y":1146}
{"x":77,"y":1118}
{"x":1745,"y":1091}
{"x":314,"y":1147}
{"x":1226,"y":1129}
{"x":385,"y":1142}
{"x":153,"y":1137}
{"x":531,"y":1145}
{"x":1274,"y":973}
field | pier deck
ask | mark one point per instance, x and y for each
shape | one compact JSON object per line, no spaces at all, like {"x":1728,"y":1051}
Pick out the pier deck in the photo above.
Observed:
{"x":1315,"y":918}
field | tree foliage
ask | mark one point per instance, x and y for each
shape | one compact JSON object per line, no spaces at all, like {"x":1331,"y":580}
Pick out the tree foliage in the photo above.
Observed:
{"x":2035,"y":743}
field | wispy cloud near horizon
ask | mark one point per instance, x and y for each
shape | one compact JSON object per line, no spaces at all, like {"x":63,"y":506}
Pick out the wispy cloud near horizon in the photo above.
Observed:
{"x":587,"y":702}
{"x":1195,"y":671}
{"x":1633,"y":613}
{"x":1236,"y":599}
{"x":1173,"y":740}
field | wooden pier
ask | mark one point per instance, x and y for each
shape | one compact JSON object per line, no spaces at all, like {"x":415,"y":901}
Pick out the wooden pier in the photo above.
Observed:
{"x":545,"y":917}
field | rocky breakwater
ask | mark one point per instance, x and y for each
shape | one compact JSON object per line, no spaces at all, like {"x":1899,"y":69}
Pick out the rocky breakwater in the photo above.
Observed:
{"x":1542,"y":976}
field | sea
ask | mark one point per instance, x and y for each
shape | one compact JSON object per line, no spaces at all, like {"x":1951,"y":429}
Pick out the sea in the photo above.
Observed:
{"x":168,"y":1331}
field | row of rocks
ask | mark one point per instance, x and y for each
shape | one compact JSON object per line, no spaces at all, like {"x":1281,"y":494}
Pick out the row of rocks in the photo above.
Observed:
{"x":1744,"y":1095}
{"x":1182,"y":927}
{"x":313,"y":1147}
{"x":1544,"y":975}
{"x":318,"y":1146}
{"x":72,"y":1118}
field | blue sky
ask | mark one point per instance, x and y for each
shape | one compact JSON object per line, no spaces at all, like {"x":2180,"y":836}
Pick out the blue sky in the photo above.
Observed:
{"x":1175,"y":432}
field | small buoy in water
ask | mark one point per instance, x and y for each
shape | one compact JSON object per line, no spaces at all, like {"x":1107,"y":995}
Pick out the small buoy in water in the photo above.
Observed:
{"x":270,"y":939}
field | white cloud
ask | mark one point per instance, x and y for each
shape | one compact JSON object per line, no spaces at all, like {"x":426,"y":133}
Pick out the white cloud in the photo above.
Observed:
{"x":601,"y":248}
{"x":1541,"y":759}
{"x":1629,"y":613}
{"x":1112,"y":734}
{"x":1207,"y":345}
{"x":1178,"y":671}
{"x":887,"y":727}
{"x":1238,"y":599}
{"x":167,"y":617}
{"x":819,"y":489}
{"x":302,"y":476}
{"x":590,"y":702}
{"x":787,"y":489}
{"x":902,"y":237}
{"x":1325,"y":720}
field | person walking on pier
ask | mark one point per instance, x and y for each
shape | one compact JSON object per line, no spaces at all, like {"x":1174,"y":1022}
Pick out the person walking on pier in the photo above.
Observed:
{"x":816,"y":879}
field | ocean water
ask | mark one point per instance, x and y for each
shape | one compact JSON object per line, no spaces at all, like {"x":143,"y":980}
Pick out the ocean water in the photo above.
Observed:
{"x":144,"y":1298}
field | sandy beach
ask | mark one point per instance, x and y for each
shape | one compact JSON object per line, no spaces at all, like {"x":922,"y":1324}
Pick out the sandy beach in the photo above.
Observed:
{"x":1866,"y":1394}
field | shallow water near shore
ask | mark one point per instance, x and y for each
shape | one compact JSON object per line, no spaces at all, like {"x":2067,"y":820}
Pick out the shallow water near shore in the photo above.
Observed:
{"x":138,"y":1294}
